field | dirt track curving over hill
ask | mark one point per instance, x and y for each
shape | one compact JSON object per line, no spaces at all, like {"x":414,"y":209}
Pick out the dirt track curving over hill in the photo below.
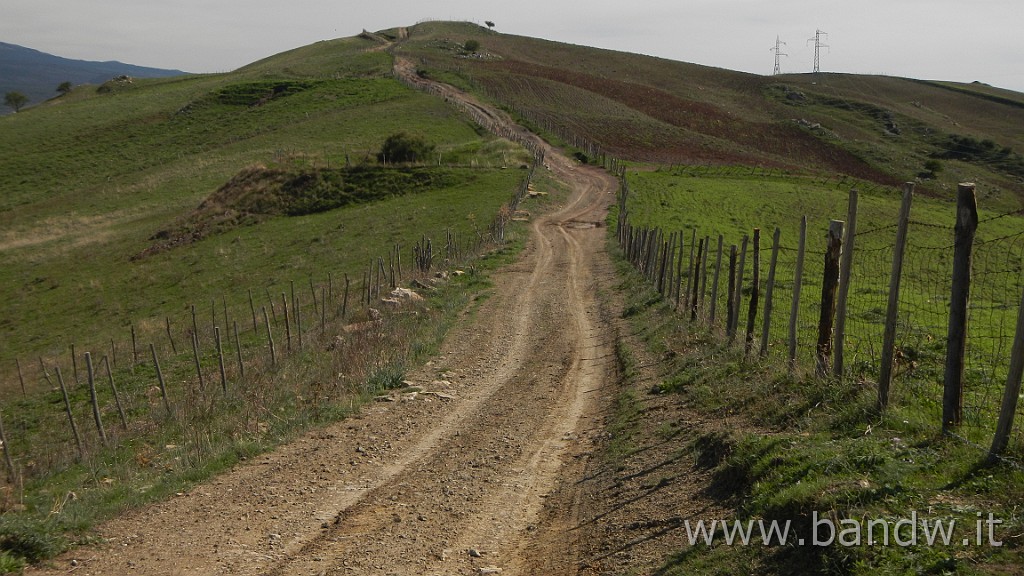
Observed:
{"x":449,"y":483}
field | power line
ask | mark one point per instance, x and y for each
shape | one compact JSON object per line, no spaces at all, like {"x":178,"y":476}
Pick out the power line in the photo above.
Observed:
{"x":778,"y":52}
{"x":817,"y":48}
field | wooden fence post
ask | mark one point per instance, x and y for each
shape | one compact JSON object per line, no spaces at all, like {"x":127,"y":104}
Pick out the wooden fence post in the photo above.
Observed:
{"x":270,"y":338}
{"x":287,"y":323}
{"x":730,"y":302}
{"x":344,"y":301}
{"x":679,"y":270}
{"x":845,"y":269}
{"x":798,"y":280}
{"x":714,"y":282}
{"x":755,"y":293}
{"x":1012,"y":390}
{"x":95,"y":401}
{"x":71,"y":416}
{"x":690,"y":268}
{"x":956,"y":339}
{"x":252,"y":308}
{"x":273,"y":308}
{"x":737,"y":296}
{"x":696,"y":281}
{"x":892,"y":309}
{"x":117,"y":396}
{"x":21,"y":377}
{"x":220,"y":359}
{"x":195,"y":325}
{"x":704,"y":273}
{"x":829,"y":287}
{"x":160,"y":379}
{"x":74,"y":361}
{"x":195,"y":356}
{"x":167,"y":324}
{"x":769,"y":294}
{"x":135,"y":349}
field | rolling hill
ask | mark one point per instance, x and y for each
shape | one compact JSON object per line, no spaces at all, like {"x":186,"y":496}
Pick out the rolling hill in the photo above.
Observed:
{"x":127,"y":209}
{"x":37,"y":74}
{"x":649,"y":109}
{"x":94,"y":175}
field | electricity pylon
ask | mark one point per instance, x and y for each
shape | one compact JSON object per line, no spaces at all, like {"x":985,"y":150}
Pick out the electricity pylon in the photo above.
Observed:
{"x":817,"y":49}
{"x":778,"y":52}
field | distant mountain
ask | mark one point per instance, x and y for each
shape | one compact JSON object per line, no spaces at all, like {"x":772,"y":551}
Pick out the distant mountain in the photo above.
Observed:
{"x":37,"y":74}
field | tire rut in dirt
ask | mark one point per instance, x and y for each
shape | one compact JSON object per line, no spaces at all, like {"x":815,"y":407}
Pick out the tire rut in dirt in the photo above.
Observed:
{"x":480,"y":488}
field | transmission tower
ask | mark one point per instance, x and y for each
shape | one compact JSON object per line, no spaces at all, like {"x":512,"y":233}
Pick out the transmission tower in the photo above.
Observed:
{"x":778,"y":52}
{"x":817,"y":49}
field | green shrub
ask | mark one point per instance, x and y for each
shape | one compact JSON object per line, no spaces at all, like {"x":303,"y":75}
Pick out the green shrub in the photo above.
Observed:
{"x":403,"y":147}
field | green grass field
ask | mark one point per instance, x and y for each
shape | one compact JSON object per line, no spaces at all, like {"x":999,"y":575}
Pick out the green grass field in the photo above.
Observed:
{"x":92,"y":177}
{"x":733,"y":205}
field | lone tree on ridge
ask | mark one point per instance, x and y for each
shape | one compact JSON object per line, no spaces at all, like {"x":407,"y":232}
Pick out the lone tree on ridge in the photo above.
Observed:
{"x":15,"y":100}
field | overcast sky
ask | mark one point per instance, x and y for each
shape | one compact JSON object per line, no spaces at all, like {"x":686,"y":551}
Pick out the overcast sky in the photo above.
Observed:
{"x":960,"y":40}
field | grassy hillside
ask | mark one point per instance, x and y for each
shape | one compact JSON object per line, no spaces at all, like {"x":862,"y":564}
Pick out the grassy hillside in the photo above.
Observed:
{"x":132,"y":210}
{"x":642,"y":108}
{"x":91,"y":178}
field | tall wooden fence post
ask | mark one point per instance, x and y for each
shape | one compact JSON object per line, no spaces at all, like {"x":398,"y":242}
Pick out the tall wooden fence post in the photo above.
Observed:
{"x":117,"y":395}
{"x":755,"y":293}
{"x":690,"y":268}
{"x":714,"y":282}
{"x":238,"y":352}
{"x":697,"y":265}
{"x":95,"y":401}
{"x":956,"y":336}
{"x":21,"y":377}
{"x":195,"y":357}
{"x":769,"y":294}
{"x":845,"y":269}
{"x":798,"y":278}
{"x":737,"y":295}
{"x":1012,"y":390}
{"x":892,"y":309}
{"x":160,"y":379}
{"x":71,"y":416}
{"x":730,"y":302}
{"x":270,"y":338}
{"x":220,"y":360}
{"x":829,"y":287}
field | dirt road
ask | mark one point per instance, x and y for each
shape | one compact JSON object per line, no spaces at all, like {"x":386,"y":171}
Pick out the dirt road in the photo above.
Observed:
{"x":455,"y":483}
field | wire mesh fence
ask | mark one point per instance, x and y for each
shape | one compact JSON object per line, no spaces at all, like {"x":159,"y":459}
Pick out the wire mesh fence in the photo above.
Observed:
{"x":921,"y":352}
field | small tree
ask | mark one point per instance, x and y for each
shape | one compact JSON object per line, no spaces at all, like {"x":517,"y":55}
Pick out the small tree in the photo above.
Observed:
{"x":471,"y":45}
{"x":403,"y":147}
{"x":490,"y":24}
{"x":15,"y":100}
{"x":64,"y":88}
